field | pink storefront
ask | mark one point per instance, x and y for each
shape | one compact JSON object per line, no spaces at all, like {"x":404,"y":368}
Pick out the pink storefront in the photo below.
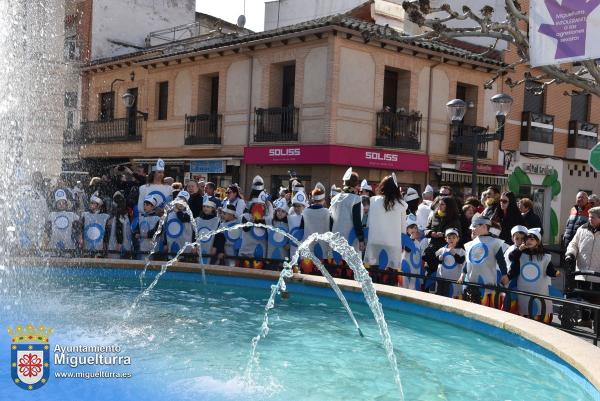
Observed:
{"x":327,"y":163}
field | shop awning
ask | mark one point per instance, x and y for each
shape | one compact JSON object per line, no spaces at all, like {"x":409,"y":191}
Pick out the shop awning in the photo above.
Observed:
{"x":455,"y":176}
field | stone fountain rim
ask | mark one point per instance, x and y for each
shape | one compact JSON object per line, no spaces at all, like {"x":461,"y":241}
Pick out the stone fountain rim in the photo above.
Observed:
{"x":579,"y":354}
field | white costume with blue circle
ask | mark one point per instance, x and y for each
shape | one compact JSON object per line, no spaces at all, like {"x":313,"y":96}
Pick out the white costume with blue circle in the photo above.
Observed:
{"x":386,"y":227}
{"x":177,"y":233}
{"x":162,"y":192}
{"x":449,"y":268}
{"x":62,"y":230}
{"x":481,"y":263}
{"x":127,"y":245}
{"x":94,"y":229}
{"x":147,"y":223}
{"x":341,"y":213}
{"x":204,"y":226}
{"x":233,"y":241}
{"x":533,"y":278}
{"x":317,"y":220}
{"x":412,"y":261}
{"x":276,"y":248}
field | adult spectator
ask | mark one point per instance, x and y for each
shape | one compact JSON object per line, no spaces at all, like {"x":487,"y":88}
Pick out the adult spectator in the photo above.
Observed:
{"x":492,"y":202}
{"x":210,"y":194}
{"x":201,"y":187}
{"x":424,"y":208}
{"x":445,"y":216}
{"x":235,"y":198}
{"x":412,"y":200}
{"x":468,"y":211}
{"x":531,"y":220}
{"x":508,"y":215}
{"x":473,"y":201}
{"x":155,"y":186}
{"x":594,"y":200}
{"x":195,"y":202}
{"x":577,"y":217}
{"x":583,"y":252}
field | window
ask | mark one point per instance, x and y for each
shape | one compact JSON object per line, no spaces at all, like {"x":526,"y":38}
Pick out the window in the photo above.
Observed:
{"x":106,"y":106}
{"x":289,"y":83}
{"x":70,"y":117}
{"x":214,"y":95}
{"x":71,"y":100}
{"x":580,"y":107}
{"x":71,"y":50}
{"x":533,"y":102}
{"x":163,"y":100}
{"x":468,"y":93}
{"x":390,"y":90}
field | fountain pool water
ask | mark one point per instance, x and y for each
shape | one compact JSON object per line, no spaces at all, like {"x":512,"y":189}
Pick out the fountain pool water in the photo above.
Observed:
{"x":190,"y":342}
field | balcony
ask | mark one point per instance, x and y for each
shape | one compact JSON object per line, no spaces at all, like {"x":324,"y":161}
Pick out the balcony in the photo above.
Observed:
{"x":117,"y":130}
{"x":276,"y":124}
{"x":537,"y":133}
{"x":465,"y":147}
{"x":582,"y":137}
{"x":398,"y":130}
{"x":203,"y":129}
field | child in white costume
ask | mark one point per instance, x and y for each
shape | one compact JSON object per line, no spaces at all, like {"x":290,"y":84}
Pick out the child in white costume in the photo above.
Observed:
{"x":61,"y":224}
{"x":412,"y":256}
{"x":533,"y":267}
{"x":207,"y":221}
{"x":518,"y":234}
{"x":94,"y":225}
{"x":148,"y":224}
{"x":316,"y":219}
{"x":278,"y":245}
{"x":451,"y":264}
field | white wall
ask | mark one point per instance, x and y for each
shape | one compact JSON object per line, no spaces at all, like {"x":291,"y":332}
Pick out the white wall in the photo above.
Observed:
{"x":131,"y":21}
{"x":295,"y":11}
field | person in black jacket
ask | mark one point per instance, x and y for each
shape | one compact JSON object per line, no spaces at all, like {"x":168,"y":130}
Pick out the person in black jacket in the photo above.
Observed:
{"x":196,"y":198}
{"x":531,"y":220}
{"x":445,"y":216}
{"x":508,"y":215}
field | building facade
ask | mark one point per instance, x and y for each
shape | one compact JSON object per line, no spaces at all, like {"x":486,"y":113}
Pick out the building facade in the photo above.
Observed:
{"x":311,"y":98}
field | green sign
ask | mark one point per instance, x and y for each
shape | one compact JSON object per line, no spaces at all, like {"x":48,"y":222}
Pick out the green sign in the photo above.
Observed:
{"x":594,"y":159}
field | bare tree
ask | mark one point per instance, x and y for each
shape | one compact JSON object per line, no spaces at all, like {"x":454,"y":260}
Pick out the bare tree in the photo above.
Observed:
{"x":513,"y":29}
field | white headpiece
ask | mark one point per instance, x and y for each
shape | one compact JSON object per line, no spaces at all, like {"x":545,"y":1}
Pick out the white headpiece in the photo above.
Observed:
{"x":537,"y":232}
{"x":281,"y":204}
{"x":347,"y":174}
{"x":364,"y":186}
{"x":299,"y":198}
{"x":395,"y":179}
{"x":411,"y":194}
{"x":151,"y":199}
{"x":411,"y":220}
{"x":184,"y":195}
{"x":334,"y":191}
{"x":428,"y":189}
{"x":96,"y":199}
{"x":518,"y":229}
{"x":60,"y":195}
{"x":258,"y":183}
{"x":159,"y":166}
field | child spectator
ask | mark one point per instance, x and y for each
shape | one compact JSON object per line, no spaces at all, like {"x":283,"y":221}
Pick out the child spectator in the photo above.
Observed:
{"x":207,"y":221}
{"x":412,"y":261}
{"x":278,"y":246}
{"x":120,"y":240}
{"x":452,"y":259}
{"x":178,"y":227}
{"x":227,"y":244}
{"x":148,"y":225}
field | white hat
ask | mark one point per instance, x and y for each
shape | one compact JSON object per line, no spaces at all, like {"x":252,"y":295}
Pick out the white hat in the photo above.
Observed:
{"x":60,"y":195}
{"x":364,"y":186}
{"x":281,"y":204}
{"x":518,"y":229}
{"x":452,"y":231}
{"x":159,"y":166}
{"x":282,"y":190}
{"x":96,"y":199}
{"x":537,"y":232}
{"x":480,"y":220}
{"x":184,"y":195}
{"x":395,"y":179}
{"x":321,"y":196}
{"x":334,"y":191}
{"x":258,"y":183}
{"x":411,"y":194}
{"x":347,"y":174}
{"x":428,"y":189}
{"x":230,"y":209}
{"x":297,"y":186}
{"x":208,"y":202}
{"x":151,"y":199}
{"x":495,"y":231}
{"x":411,"y":220}
{"x":299,"y":198}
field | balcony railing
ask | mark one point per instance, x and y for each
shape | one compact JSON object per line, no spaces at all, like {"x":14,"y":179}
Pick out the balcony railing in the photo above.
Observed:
{"x":466,"y":146}
{"x":276,"y":124}
{"x":117,"y":130}
{"x":203,"y":129}
{"x":398,"y":130}
{"x":582,"y":135}
{"x":537,"y":127}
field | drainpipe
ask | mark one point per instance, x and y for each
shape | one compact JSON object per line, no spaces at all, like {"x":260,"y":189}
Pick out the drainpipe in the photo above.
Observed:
{"x":429,"y":101}
{"x":248,"y":130}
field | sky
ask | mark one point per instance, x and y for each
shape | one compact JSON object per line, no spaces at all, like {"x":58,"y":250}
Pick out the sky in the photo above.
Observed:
{"x":230,"y":10}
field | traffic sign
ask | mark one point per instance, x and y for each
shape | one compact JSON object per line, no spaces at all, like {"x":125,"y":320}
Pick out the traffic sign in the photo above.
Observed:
{"x":594,"y":159}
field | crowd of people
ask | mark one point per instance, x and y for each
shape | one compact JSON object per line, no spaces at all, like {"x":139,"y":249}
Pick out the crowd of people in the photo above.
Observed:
{"x":404,"y":238}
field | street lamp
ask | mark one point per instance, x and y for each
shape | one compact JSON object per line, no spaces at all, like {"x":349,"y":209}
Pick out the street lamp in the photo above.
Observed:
{"x":128,"y":99}
{"x":457,"y":108}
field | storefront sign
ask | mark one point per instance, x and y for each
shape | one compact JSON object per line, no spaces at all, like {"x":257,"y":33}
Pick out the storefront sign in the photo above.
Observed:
{"x":540,"y":169}
{"x":336,"y":155}
{"x":207,"y":166}
{"x":481,"y":168}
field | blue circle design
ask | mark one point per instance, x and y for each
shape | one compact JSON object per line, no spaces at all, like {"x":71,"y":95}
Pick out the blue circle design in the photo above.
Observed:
{"x":177,"y":224}
{"x":163,"y":197}
{"x":478,"y":247}
{"x":298,"y":233}
{"x":100,"y":231}
{"x":300,"y":197}
{"x":203,"y":231}
{"x":530,"y":265}
{"x":233,"y":235}
{"x":383,"y":259}
{"x":444,"y":260}
{"x":337,"y":258}
{"x":318,"y":251}
{"x":259,"y":251}
{"x":351,"y":236}
{"x":61,"y":222}
{"x":407,"y":242}
{"x":273,"y":240}
{"x":254,"y":231}
{"x":415,"y":258}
